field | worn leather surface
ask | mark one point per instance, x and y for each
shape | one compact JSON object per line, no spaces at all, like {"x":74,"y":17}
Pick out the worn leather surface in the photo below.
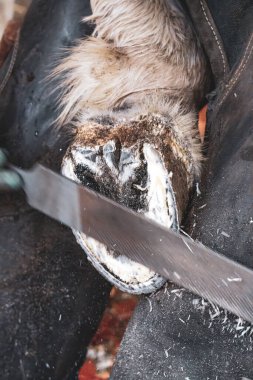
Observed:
{"x":223,"y":41}
{"x":174,"y":334}
{"x":236,"y":32}
{"x":51,"y":298}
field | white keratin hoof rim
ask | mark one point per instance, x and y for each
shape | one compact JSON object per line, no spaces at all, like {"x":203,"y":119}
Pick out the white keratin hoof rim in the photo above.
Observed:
{"x":152,"y":194}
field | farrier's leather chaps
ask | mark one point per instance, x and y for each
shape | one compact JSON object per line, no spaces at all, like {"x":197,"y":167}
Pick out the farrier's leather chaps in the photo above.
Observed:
{"x":174,"y":334}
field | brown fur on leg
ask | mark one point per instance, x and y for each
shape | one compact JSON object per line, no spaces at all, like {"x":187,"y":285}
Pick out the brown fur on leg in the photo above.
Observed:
{"x":138,"y":47}
{"x":6,"y":13}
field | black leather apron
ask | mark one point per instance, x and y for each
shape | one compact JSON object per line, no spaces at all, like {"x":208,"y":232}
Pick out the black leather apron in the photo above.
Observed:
{"x":174,"y":334}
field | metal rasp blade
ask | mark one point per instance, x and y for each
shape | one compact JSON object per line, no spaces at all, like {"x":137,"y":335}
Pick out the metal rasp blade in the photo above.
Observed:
{"x":177,"y":258}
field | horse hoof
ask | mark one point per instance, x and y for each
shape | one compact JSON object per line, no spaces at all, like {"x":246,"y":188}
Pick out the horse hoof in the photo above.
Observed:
{"x":142,"y":165}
